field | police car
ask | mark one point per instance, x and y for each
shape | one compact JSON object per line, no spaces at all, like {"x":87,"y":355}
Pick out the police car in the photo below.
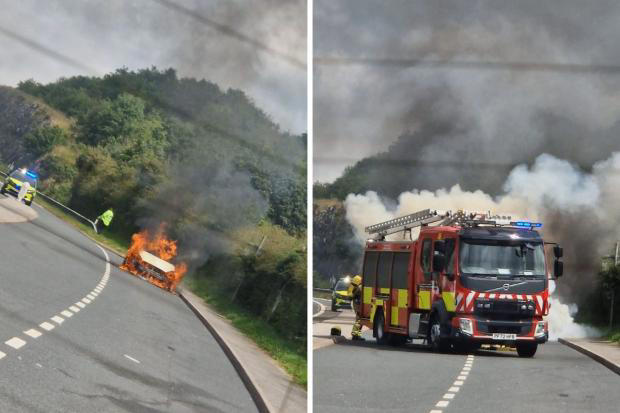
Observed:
{"x":340,"y":294}
{"x":13,"y":183}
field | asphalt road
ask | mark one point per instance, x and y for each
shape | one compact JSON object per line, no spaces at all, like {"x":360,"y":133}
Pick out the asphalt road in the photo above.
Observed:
{"x":131,"y":348}
{"x":356,"y":377}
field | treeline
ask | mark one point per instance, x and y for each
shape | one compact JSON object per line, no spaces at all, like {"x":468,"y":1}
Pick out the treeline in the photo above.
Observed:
{"x":159,"y":148}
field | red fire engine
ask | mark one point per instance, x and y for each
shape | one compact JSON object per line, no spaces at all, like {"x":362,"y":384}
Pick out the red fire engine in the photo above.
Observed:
{"x":469,"y":279}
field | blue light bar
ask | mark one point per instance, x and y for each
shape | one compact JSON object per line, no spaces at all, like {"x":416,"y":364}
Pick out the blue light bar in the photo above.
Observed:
{"x":32,"y":174}
{"x":527,"y":224}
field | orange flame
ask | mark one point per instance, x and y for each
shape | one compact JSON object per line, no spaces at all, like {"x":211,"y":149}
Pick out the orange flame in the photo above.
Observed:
{"x":160,"y":246}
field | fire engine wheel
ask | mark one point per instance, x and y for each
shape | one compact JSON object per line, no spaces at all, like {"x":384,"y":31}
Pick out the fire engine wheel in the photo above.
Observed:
{"x":527,"y":349}
{"x":379,"y":329}
{"x":334,"y":307}
{"x":435,"y":342}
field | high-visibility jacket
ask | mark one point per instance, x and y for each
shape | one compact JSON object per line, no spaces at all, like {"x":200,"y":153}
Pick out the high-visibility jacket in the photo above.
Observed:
{"x":106,"y":217}
{"x":355,"y":292}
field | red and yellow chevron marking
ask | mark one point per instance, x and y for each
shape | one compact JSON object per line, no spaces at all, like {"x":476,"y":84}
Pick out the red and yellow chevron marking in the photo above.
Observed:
{"x":465,"y":300}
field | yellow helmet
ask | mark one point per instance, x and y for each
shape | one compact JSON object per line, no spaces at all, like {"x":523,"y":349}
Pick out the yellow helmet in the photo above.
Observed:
{"x":357,"y":280}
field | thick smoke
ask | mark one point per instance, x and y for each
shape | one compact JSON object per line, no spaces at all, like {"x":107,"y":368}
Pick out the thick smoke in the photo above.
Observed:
{"x":578,"y":210}
{"x":444,"y":125}
{"x":203,"y":206}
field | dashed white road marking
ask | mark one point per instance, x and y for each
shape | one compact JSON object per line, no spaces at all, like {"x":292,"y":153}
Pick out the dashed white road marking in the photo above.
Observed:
{"x":33,"y":333}
{"x":46,"y":326}
{"x":456,"y":386}
{"x":15,"y":342}
{"x":132,"y":359}
{"x":18,"y":343}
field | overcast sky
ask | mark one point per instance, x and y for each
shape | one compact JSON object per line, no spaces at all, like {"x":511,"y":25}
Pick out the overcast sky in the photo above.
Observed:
{"x":106,"y":35}
{"x":362,"y":109}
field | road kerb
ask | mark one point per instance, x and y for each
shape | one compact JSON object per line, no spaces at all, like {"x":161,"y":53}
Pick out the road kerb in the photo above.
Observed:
{"x":598,"y":357}
{"x":254,"y":388}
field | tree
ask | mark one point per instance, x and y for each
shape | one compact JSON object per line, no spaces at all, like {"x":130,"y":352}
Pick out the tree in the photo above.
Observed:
{"x":43,"y":139}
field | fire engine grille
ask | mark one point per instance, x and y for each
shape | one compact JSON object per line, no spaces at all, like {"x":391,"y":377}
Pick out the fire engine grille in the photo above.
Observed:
{"x":506,"y":306}
{"x":506,"y":328}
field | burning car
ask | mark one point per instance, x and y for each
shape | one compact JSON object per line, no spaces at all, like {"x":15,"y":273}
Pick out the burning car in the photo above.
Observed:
{"x":148,"y":258}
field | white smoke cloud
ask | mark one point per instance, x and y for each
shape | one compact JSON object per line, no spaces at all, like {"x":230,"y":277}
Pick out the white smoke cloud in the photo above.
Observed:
{"x":547,"y":191}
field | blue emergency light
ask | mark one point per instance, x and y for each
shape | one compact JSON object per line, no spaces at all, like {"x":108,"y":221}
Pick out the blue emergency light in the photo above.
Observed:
{"x":527,"y":224}
{"x":32,"y":174}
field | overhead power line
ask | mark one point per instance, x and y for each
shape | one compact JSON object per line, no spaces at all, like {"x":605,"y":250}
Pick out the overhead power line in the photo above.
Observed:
{"x":41,"y":48}
{"x":233,"y":33}
{"x":576,"y":68}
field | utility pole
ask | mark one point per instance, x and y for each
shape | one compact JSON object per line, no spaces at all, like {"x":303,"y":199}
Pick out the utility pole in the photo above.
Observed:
{"x":613,"y":292}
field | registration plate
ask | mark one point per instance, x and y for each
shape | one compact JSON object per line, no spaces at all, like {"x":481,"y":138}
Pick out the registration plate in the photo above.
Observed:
{"x":502,"y":336}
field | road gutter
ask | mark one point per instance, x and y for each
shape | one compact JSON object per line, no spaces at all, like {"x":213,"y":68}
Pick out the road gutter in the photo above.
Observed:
{"x":592,"y":354}
{"x":269,"y":386}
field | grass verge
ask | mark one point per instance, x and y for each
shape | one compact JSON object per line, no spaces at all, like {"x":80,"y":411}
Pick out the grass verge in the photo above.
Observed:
{"x":291,"y":354}
{"x":111,"y":240}
{"x":614,"y":335}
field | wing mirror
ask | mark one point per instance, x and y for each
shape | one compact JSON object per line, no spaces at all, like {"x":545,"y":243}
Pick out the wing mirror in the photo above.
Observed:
{"x":558,"y":268}
{"x":558,"y":251}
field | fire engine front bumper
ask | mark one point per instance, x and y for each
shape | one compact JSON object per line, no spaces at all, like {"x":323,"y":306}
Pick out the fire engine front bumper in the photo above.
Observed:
{"x":475,"y":330}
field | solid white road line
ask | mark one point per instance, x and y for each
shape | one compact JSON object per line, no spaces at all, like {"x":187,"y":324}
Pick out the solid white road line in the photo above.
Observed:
{"x":46,"y":326}
{"x":16,"y":343}
{"x":57,"y":319}
{"x":321,"y":311}
{"x":33,"y":333}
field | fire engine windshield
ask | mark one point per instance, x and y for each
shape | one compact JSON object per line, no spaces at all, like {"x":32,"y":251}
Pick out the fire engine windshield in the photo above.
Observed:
{"x":502,"y":259}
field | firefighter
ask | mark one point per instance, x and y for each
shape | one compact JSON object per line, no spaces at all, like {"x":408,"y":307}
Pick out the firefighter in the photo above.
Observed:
{"x":355,"y":291}
{"x":103,"y":221}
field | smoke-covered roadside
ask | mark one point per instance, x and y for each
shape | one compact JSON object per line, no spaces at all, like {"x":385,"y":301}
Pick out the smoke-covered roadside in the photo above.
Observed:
{"x":578,"y":210}
{"x":203,"y":205}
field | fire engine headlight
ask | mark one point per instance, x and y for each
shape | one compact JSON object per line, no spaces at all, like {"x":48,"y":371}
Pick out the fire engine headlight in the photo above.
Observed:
{"x":467,"y":326}
{"x":540,"y":329}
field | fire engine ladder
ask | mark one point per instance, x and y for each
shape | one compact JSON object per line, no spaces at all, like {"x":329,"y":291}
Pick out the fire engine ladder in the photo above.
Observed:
{"x":406,"y":223}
